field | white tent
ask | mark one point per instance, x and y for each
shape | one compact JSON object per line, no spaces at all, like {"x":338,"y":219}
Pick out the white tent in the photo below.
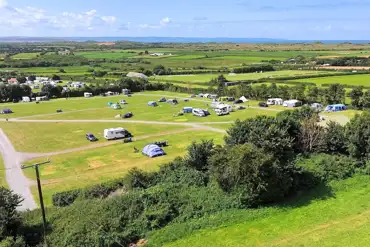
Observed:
{"x":244,"y":99}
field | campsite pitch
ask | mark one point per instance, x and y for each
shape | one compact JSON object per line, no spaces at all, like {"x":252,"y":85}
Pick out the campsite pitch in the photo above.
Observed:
{"x":80,"y":169}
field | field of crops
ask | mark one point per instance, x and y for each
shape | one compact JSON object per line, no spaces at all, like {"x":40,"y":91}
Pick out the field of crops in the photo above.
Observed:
{"x":107,"y":54}
{"x":25,"y":55}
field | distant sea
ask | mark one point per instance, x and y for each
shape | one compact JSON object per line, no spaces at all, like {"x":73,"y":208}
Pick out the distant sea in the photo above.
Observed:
{"x":172,"y":40}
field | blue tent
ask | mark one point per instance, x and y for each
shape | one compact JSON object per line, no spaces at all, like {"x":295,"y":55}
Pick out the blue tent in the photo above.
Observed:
{"x":187,"y":110}
{"x":152,"y":103}
{"x":152,"y":150}
{"x":336,"y":108}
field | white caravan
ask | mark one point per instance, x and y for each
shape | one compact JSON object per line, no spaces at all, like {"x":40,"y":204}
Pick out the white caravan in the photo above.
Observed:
{"x":275,"y":101}
{"x":88,"y":95}
{"x":26,"y":99}
{"x":223,"y":109}
{"x":116,"y":133}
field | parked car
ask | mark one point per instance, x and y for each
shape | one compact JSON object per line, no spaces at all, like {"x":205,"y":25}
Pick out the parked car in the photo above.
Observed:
{"x":200,"y":112}
{"x":59,"y":110}
{"x":240,"y":107}
{"x":128,"y":115}
{"x":123,"y":102}
{"x":162,"y":100}
{"x":161,"y":143}
{"x":238,"y":101}
{"x":263,"y":104}
{"x":91,"y":137}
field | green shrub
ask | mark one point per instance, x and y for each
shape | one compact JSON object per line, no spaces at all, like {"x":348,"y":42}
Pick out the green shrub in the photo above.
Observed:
{"x":328,"y":167}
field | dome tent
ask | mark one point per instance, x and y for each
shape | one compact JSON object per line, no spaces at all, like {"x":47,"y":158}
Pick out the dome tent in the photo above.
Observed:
{"x":152,"y":150}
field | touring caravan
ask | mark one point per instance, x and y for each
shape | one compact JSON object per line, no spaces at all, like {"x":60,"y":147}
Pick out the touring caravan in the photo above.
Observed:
{"x":200,"y":112}
{"x":292,"y":103}
{"x":116,"y":133}
{"x":223,"y":109}
{"x":275,"y":101}
{"x":26,"y":99}
{"x":88,"y":95}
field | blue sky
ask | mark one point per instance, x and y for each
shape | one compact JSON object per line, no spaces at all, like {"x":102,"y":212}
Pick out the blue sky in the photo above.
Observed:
{"x":287,"y":19}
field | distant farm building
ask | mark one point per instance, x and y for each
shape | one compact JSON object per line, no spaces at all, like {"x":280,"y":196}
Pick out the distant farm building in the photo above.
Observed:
{"x":65,"y":52}
{"x":12,"y":80}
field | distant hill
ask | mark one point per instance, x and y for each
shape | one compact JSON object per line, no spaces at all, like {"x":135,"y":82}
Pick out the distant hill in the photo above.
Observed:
{"x":169,"y":40}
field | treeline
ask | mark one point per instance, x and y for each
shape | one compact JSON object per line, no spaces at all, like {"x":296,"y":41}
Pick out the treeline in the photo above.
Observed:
{"x":252,"y":69}
{"x":345,"y":61}
{"x":46,"y":61}
{"x":264,"y":160}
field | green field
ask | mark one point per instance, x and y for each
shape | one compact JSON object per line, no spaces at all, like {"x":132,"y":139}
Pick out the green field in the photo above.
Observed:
{"x":25,"y":55}
{"x":352,"y":80}
{"x":80,"y":169}
{"x":73,"y":70}
{"x":205,"y":78}
{"x":335,"y":216}
{"x":106,"y":54}
{"x":3,"y":182}
{"x":48,"y":137}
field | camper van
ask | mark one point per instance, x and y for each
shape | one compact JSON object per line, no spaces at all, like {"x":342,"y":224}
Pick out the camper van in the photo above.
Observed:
{"x":223,"y":109}
{"x":88,"y":95}
{"x":292,"y":103}
{"x":275,"y":101}
{"x":116,"y":133}
{"x":42,"y":98}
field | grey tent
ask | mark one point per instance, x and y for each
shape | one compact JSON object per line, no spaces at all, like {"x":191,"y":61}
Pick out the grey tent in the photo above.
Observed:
{"x":152,"y":150}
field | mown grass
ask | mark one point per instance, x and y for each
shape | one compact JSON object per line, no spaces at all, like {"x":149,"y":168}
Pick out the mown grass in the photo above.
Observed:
{"x":334,"y":216}
{"x":48,"y":137}
{"x":3,"y":182}
{"x":28,"y":55}
{"x":352,"y":80}
{"x":80,"y":169}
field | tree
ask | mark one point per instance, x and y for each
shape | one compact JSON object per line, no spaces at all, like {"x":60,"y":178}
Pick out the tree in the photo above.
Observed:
{"x":365,"y":100}
{"x":10,"y":219}
{"x":355,"y":95}
{"x":335,"y":140}
{"x":256,"y":177}
{"x":146,"y":52}
{"x":51,"y":91}
{"x":312,"y":94}
{"x":148,"y":73}
{"x":21,"y":79}
{"x":198,"y":154}
{"x":335,"y":94}
{"x":55,"y":77}
{"x":357,"y":133}
{"x":159,"y":70}
{"x":264,"y":132}
{"x":311,"y":138}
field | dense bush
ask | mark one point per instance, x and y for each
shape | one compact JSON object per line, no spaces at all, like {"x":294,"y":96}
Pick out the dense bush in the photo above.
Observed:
{"x":253,"y":69}
{"x":328,"y":167}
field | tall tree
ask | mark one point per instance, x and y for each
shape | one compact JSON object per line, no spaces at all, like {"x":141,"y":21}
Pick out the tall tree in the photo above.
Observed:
{"x":312,"y":94}
{"x":358,"y":135}
{"x":311,"y":136}
{"x":335,"y":94}
{"x":355,"y":95}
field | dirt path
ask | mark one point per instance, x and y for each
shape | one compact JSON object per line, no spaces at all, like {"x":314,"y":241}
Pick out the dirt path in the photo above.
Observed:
{"x":14,"y":174}
{"x":30,"y":156}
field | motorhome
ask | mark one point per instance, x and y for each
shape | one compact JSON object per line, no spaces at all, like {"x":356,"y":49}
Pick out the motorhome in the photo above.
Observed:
{"x":292,"y":103}
{"x":42,"y":98}
{"x":116,"y":133}
{"x":275,"y":101}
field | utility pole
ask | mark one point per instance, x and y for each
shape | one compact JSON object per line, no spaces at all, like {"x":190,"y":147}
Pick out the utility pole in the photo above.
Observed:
{"x":36,"y":166}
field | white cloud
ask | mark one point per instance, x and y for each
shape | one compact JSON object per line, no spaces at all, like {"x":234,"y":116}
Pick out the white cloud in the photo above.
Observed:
{"x":144,"y":26}
{"x":165,"y":21}
{"x":36,"y":18}
{"x":109,"y":19}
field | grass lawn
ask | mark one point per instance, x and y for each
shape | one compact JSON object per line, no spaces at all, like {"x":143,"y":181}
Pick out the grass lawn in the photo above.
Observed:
{"x":353,"y":80}
{"x":76,"y":170}
{"x":3,"y":182}
{"x":164,"y":112}
{"x":205,"y":78}
{"x":48,"y":137}
{"x":28,"y":55}
{"x":339,"y":219}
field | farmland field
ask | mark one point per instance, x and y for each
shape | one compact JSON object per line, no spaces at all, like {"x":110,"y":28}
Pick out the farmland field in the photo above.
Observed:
{"x":107,"y":54}
{"x":25,"y":55}
{"x":338,"y":216}
{"x":351,"y":80}
{"x":205,"y":78}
